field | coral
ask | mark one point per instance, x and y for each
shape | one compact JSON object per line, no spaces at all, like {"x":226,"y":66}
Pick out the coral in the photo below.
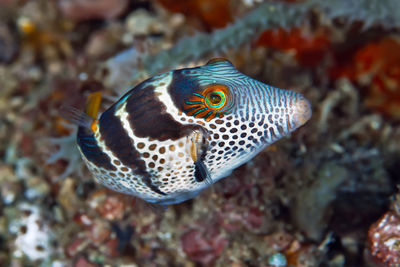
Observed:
{"x":308,"y":48}
{"x":384,"y":239}
{"x":376,"y":66}
{"x":81,"y":10}
{"x":109,"y":205}
{"x":231,"y":218}
{"x":143,"y":22}
{"x":212,"y":13}
{"x":298,"y":254}
{"x":369,"y":12}
{"x":246,"y":218}
{"x":34,"y":236}
{"x":202,"y":247}
{"x":68,"y":151}
{"x":269,"y":15}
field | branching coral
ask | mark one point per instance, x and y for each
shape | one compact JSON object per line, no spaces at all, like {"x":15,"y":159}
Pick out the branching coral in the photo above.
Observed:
{"x":68,"y":151}
{"x":269,"y":15}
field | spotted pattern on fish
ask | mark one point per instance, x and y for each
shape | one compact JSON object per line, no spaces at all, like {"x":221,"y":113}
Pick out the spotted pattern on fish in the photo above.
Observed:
{"x":174,"y":134}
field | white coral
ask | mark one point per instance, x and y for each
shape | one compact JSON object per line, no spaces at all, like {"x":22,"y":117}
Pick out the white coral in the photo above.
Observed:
{"x":68,"y":151}
{"x":34,"y":241}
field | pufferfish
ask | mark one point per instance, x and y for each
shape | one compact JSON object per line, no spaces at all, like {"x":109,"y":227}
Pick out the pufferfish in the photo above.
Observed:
{"x":175,"y":134}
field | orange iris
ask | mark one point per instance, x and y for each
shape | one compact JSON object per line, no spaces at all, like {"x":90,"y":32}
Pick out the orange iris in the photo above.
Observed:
{"x":209,"y":103}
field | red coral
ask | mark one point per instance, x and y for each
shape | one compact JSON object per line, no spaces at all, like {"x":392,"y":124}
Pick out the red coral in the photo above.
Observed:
{"x":377,"y":66}
{"x":308,"y":48}
{"x":383,"y":64}
{"x":112,"y":208}
{"x":109,"y":205}
{"x":202,"y":247}
{"x":384,"y":240}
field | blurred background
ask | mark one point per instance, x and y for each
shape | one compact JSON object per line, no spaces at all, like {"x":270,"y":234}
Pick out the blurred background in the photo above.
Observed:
{"x":325,"y":196}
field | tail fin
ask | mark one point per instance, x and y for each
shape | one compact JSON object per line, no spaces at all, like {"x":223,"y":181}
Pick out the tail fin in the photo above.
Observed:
{"x":87,"y":119}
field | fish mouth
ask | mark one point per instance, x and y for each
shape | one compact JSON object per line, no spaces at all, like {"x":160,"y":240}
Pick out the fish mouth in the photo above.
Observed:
{"x":301,"y":112}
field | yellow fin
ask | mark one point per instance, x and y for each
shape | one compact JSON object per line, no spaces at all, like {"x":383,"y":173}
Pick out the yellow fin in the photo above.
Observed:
{"x":93,"y":104}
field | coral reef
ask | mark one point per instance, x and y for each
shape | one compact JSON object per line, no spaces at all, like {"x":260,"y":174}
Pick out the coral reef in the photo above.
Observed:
{"x":79,"y":10}
{"x":376,"y":67}
{"x":384,"y":239}
{"x":210,"y":13}
{"x":269,"y":15}
{"x":325,"y":196}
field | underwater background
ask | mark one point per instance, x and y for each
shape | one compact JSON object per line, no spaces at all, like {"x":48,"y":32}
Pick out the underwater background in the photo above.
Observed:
{"x":327,"y":195}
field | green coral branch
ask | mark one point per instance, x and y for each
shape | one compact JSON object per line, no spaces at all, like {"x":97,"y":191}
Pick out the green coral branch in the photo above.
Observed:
{"x":270,"y":15}
{"x":370,"y":12}
{"x":267,"y":15}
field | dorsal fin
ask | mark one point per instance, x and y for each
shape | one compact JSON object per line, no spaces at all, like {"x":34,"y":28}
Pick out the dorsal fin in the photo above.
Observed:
{"x":93,"y":104}
{"x":87,"y":119}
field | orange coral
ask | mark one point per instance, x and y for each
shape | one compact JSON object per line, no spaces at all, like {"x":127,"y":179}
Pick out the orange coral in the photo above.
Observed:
{"x":382,"y":62}
{"x":308,"y":49}
{"x":377,"y":65}
{"x":298,"y":254}
{"x":212,"y":13}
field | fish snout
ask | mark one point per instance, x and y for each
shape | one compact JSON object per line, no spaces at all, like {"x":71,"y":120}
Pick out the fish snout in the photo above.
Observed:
{"x":301,"y":112}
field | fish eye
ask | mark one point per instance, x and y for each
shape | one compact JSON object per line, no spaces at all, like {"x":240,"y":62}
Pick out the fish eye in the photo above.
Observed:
{"x":215,"y":99}
{"x":212,"y":101}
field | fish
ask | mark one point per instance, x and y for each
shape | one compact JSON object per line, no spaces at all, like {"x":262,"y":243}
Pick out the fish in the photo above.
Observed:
{"x":177,"y":133}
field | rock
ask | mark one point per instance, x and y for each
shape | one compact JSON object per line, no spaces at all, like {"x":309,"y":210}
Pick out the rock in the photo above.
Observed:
{"x":311,"y":209}
{"x":81,"y":10}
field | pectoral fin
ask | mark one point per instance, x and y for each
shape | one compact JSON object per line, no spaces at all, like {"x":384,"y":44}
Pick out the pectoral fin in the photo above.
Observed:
{"x":198,"y":148}
{"x":201,"y":172}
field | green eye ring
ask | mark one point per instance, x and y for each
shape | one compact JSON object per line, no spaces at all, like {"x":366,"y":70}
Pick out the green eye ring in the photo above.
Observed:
{"x":215,"y":100}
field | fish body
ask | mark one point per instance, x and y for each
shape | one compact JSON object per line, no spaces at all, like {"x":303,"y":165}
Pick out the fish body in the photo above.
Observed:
{"x":176,"y":133}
